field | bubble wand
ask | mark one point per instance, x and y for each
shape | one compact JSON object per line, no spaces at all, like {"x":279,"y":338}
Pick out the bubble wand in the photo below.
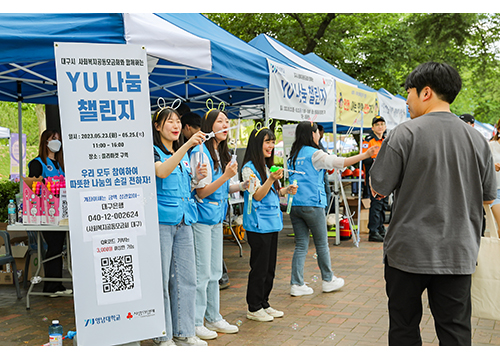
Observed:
{"x":275,"y":168}
{"x":290,"y":199}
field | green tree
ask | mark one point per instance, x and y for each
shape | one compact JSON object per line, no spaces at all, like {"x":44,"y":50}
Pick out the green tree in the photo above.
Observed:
{"x":381,"y":49}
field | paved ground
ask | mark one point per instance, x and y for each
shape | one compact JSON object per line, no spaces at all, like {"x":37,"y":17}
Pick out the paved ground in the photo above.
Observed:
{"x":355,"y":315}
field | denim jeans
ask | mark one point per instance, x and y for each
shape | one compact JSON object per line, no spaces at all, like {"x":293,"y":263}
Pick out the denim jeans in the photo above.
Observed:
{"x":208,"y":252}
{"x":305,"y":218}
{"x":179,"y":279}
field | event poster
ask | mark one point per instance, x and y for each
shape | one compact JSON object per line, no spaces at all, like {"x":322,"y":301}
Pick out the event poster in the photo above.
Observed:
{"x":354,"y":105}
{"x":105,"y":116}
{"x":299,"y":94}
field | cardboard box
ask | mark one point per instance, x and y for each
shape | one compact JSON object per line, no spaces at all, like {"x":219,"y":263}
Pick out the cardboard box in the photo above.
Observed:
{"x":19,"y":252}
{"x":363,"y":221}
{"x":6,"y":278}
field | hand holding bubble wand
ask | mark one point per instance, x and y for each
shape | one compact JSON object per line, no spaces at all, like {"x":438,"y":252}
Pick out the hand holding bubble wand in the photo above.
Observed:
{"x":251,"y":190}
{"x":290,"y":199}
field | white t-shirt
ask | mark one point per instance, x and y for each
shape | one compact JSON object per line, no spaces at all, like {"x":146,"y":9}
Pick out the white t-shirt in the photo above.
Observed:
{"x":495,"y":151}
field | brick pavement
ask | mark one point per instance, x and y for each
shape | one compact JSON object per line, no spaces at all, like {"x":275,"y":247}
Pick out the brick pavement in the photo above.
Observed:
{"x":354,"y":316}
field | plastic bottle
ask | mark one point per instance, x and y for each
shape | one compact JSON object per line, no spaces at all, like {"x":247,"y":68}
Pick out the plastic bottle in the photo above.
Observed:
{"x":11,"y":209}
{"x":55,"y":333}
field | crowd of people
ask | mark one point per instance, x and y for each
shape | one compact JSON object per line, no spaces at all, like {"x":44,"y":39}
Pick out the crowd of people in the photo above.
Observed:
{"x":439,"y":170}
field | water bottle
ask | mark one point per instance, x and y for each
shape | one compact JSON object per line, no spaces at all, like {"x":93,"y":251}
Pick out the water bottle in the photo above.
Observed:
{"x":12,"y":212}
{"x":55,"y":333}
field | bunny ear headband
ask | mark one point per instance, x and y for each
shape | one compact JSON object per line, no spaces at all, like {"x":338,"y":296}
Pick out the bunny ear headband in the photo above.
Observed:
{"x":259,"y":126}
{"x":221,"y":107}
{"x":175,"y":105}
{"x":210,"y":106}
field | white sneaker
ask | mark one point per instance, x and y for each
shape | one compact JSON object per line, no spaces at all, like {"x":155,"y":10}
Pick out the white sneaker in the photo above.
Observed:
{"x":301,"y":290}
{"x":222,"y":326}
{"x":259,"y":315}
{"x":164,"y":343}
{"x":189,"y":341}
{"x":274,"y":313}
{"x":335,"y":284}
{"x":205,"y":334}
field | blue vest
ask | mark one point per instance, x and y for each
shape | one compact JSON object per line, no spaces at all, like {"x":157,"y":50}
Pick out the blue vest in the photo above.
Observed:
{"x":49,"y":169}
{"x":175,"y":200}
{"x":311,"y":191}
{"x":266,"y":215}
{"x":213,"y":209}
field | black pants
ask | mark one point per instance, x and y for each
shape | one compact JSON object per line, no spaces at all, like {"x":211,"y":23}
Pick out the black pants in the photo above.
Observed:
{"x":55,"y":241}
{"x":264,"y":251}
{"x":449,"y":300}
{"x":376,"y":215}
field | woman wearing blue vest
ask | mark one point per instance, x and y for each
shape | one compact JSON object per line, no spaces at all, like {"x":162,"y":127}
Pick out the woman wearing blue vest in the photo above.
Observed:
{"x":176,"y":213}
{"x":49,"y":163}
{"x":308,"y":207}
{"x":212,"y":193}
{"x":264,"y":222}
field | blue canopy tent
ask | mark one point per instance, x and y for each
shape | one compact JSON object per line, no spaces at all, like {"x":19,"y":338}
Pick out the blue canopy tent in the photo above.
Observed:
{"x":189,"y":56}
{"x":290,"y":57}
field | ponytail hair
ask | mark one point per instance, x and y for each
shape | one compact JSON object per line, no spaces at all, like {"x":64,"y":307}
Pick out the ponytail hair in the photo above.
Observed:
{"x":303,"y":137}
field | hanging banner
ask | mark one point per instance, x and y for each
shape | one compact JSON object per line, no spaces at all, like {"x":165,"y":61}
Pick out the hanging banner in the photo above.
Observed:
{"x":392,"y":109}
{"x":14,"y":156}
{"x":105,"y":116}
{"x":352,"y":103}
{"x":298,"y":94}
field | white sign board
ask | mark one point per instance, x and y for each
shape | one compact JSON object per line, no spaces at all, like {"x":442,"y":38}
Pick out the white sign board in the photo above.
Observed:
{"x":298,"y":94}
{"x":393,"y":110}
{"x":110,"y":180}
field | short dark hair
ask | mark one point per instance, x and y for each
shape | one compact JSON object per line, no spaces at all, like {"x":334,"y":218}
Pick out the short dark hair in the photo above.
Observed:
{"x":191,"y":119}
{"x":443,"y":79}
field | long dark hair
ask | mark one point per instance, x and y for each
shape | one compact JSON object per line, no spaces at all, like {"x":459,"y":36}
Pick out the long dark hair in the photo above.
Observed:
{"x":207,"y":123}
{"x":303,"y":137}
{"x":159,"y":118}
{"x":497,"y":132}
{"x":43,"y":149}
{"x":255,"y":155}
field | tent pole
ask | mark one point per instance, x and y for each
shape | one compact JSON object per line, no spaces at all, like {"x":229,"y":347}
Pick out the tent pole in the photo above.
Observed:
{"x":20,"y":134}
{"x":266,"y":107}
{"x":359,"y":183}
{"x":336,"y":188}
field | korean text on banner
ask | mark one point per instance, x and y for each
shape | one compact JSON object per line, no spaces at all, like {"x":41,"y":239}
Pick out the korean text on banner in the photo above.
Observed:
{"x":298,"y":94}
{"x":107,"y":140}
{"x":353,"y":102}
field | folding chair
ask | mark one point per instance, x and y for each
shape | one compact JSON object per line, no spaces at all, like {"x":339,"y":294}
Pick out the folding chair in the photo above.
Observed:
{"x":9,"y":259}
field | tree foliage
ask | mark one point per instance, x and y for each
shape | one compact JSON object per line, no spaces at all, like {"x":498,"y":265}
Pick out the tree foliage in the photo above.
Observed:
{"x":380,"y":49}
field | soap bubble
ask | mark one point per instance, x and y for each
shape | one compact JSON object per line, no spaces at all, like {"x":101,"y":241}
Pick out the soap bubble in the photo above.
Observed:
{"x":239,"y":322}
{"x":332,"y":336}
{"x":314,"y":278}
{"x":315,"y":256}
{"x":45,"y":318}
{"x":295,"y":326}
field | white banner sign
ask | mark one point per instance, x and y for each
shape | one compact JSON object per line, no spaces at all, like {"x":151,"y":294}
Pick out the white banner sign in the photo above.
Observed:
{"x":298,"y":94}
{"x":110,"y":179}
{"x":393,"y":110}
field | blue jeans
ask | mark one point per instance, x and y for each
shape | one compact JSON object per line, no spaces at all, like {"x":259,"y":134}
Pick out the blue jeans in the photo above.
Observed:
{"x":305,"y":218}
{"x":208,"y":252}
{"x":179,"y":279}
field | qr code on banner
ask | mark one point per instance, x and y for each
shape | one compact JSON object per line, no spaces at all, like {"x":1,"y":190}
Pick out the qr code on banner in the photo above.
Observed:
{"x":117,"y":273}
